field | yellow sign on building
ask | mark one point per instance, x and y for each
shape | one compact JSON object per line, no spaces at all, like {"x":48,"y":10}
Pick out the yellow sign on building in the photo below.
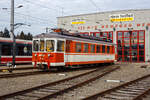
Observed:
{"x":121,"y":17}
{"x":81,"y":22}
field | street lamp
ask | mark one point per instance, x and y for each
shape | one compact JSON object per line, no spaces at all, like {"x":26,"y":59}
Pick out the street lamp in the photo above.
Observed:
{"x":12,"y":31}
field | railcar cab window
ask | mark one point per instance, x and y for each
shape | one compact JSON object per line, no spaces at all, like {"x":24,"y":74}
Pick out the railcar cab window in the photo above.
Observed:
{"x":35,"y":45}
{"x":41,"y":45}
{"x":78,"y":47}
{"x":50,"y":45}
{"x":60,"y":45}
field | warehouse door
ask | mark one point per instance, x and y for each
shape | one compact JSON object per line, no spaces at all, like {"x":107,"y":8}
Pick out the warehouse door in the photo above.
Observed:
{"x":131,"y":46}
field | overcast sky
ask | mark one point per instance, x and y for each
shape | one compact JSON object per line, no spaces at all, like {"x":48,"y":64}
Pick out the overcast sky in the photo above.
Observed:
{"x":42,"y":13}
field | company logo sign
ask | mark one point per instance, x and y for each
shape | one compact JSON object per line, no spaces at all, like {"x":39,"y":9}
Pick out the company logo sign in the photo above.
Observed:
{"x":121,"y":17}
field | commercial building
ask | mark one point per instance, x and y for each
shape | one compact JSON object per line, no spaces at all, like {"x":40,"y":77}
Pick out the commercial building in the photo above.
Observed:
{"x":128,"y":29}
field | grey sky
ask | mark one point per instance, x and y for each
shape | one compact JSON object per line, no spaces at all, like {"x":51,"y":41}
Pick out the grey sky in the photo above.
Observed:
{"x":42,"y":13}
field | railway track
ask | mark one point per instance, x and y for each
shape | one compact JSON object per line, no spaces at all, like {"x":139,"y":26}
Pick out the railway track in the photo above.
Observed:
{"x":137,"y":89}
{"x":54,"y":89}
{"x":23,"y":68}
{"x":14,"y":75}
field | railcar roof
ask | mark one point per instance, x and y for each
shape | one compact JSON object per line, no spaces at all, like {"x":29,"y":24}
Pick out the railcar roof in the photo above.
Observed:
{"x":69,"y":37}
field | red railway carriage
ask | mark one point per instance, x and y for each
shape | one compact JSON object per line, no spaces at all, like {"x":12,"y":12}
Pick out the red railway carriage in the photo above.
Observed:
{"x":55,"y":50}
{"x":23,"y":51}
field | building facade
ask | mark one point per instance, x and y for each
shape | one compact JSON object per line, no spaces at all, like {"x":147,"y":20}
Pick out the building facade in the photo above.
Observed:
{"x":128,"y":29}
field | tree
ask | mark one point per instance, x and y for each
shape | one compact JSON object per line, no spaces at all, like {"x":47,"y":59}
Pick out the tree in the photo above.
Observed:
{"x":6,"y":33}
{"x":1,"y":34}
{"x":29,"y":36}
{"x":22,"y":35}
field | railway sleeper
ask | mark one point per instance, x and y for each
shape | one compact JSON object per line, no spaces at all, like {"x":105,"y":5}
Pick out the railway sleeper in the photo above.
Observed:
{"x":116,"y":97}
{"x":122,"y":94}
{"x":132,"y":90}
{"x":49,"y":90}
{"x":127,"y":92}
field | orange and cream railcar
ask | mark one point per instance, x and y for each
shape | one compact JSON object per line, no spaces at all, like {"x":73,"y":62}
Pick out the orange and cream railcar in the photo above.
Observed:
{"x":56,"y":50}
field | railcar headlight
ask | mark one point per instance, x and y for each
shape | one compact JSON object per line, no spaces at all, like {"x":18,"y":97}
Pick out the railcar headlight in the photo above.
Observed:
{"x":35,"y":54}
{"x":48,"y":55}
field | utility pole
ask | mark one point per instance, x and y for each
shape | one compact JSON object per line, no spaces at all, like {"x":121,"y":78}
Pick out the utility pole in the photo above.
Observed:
{"x":12,"y":33}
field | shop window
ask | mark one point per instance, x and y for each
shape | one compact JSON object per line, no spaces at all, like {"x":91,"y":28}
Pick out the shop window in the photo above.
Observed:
{"x":85,"y":48}
{"x":126,"y":34}
{"x":92,"y":48}
{"x":50,"y":45}
{"x":60,"y":45}
{"x":141,"y":46}
{"x":119,"y":34}
{"x":103,"y":48}
{"x":134,"y":34}
{"x":41,"y":45}
{"x":141,"y":59}
{"x":98,"y":49}
{"x":97,"y":35}
{"x":35,"y":45}
{"x":78,"y":47}
{"x":141,"y":52}
{"x":141,"y":34}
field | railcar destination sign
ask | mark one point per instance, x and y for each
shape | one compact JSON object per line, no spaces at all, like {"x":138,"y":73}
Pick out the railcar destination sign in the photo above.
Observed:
{"x":121,"y":17}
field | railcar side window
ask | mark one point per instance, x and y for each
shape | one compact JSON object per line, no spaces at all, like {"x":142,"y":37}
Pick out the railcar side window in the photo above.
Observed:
{"x":98,"y":49}
{"x":35,"y":45}
{"x":108,"y":49}
{"x":41,"y":45}
{"x":6,"y":49}
{"x":50,"y":45}
{"x":85,"y":48}
{"x":103,"y":48}
{"x":60,"y":45}
{"x":78,"y":47}
{"x":92,"y":48}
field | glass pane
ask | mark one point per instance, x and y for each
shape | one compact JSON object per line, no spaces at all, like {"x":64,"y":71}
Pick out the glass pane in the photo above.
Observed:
{"x":6,"y":49}
{"x":126,"y":46}
{"x":134,"y":52}
{"x":126,"y":40}
{"x":141,"y":46}
{"x":60,"y":45}
{"x":50,"y":45}
{"x":126,"y":34}
{"x":119,"y":52}
{"x":133,"y":40}
{"x":141,"y":52}
{"x":134,"y":46}
{"x":119,"y":34}
{"x":141,"y":39}
{"x":92,"y":48}
{"x":103,"y":48}
{"x":35,"y":45}
{"x":119,"y":58}
{"x":78,"y":47}
{"x":134,"y":58}
{"x":127,"y":58}
{"x":126,"y":52}
{"x":98,"y":49}
{"x":141,"y":34}
{"x":134,"y":34}
{"x":110,"y":35}
{"x":97,"y":35}
{"x":41,"y":45}
{"x":105,"y":34}
{"x":141,"y":58}
{"x":85,"y":48}
{"x":108,"y":49}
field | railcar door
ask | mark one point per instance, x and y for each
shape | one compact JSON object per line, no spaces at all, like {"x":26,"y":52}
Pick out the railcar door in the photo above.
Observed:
{"x":60,"y":52}
{"x":0,"y":52}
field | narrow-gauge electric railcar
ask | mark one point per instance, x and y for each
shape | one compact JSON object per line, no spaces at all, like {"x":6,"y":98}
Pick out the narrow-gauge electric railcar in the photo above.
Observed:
{"x":57,"y":50}
{"x":23,"y":51}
